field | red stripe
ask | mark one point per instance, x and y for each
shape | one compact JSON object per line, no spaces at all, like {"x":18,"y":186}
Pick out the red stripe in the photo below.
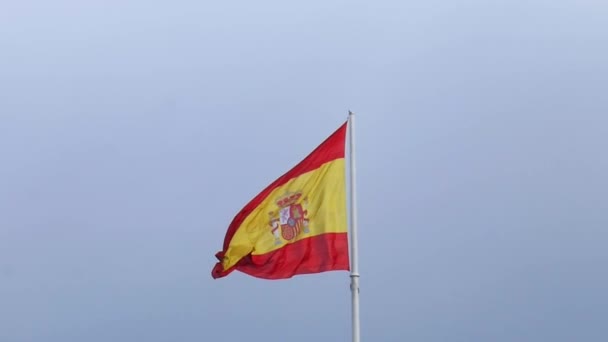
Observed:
{"x":320,"y":253}
{"x":330,"y":149}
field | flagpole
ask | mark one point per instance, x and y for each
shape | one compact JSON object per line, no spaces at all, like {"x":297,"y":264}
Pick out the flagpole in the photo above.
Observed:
{"x":354,"y":258}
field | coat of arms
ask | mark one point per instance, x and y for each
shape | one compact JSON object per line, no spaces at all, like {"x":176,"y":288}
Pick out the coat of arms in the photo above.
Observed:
{"x":290,"y":219}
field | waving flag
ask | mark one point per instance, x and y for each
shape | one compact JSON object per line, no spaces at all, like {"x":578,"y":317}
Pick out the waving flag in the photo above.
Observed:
{"x":297,"y":224}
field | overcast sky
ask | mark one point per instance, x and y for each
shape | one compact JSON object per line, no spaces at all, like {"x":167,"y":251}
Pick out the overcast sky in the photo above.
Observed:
{"x":132,"y":132}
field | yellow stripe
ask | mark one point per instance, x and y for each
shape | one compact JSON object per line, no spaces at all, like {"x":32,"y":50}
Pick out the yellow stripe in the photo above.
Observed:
{"x":323,"y":197}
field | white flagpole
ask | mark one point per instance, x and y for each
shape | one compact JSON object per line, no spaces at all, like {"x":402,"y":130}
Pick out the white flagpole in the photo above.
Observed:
{"x":354,"y":262}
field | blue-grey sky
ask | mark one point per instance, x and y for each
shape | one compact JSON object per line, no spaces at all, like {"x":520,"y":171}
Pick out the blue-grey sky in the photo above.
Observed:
{"x":131,"y":133}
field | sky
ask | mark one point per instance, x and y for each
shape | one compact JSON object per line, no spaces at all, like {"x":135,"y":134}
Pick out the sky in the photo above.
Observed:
{"x":132,"y":132}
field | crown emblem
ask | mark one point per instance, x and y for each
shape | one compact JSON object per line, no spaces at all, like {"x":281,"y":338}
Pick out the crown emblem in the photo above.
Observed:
{"x":290,"y":220}
{"x":288,"y":199}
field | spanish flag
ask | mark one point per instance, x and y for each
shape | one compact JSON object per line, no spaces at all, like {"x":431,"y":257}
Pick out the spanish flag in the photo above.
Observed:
{"x":297,"y":224}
